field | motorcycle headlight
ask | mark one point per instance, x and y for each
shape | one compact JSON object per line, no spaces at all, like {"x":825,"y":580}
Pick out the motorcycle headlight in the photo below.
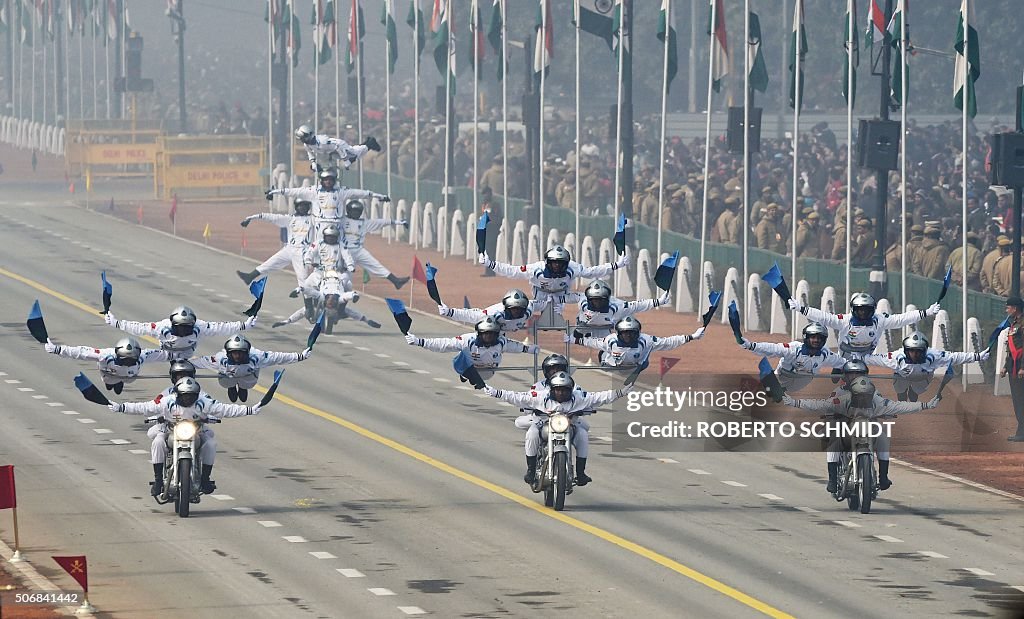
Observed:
{"x":559,"y":423}
{"x":184,"y":431}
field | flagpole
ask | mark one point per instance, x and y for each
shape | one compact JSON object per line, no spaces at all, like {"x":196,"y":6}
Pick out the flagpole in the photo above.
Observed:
{"x":475,"y":35}
{"x":317,"y":42}
{"x":797,"y":102}
{"x":32,"y":74}
{"x":21,"y":66}
{"x":106,"y":59}
{"x":542,"y":43}
{"x":337,"y":78}
{"x":95,"y":69}
{"x":289,"y":61}
{"x":618,"y":128}
{"x":416,"y":102}
{"x":903,"y":165}
{"x":576,"y":181}
{"x":44,"y":31}
{"x":504,"y":124}
{"x":270,"y":91}
{"x":81,"y":72}
{"x":359,"y":80}
{"x":664,"y":107}
{"x":849,"y":146}
{"x":963,"y":180}
{"x":746,"y":160}
{"x":389,"y":7}
{"x":447,"y":113}
{"x":707,"y":158}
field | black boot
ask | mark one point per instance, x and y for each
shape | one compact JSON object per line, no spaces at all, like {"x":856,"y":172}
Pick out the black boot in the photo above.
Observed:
{"x":373,"y":323}
{"x":118,"y":388}
{"x":581,"y":475}
{"x":310,"y":309}
{"x":205,"y":483}
{"x":884,"y":483}
{"x":243,"y":394}
{"x":233,"y":394}
{"x":531,"y":470}
{"x":833,"y":477}
{"x":397,"y":281}
{"x":156,"y":487}
{"x":248,"y":277}
{"x":108,"y":386}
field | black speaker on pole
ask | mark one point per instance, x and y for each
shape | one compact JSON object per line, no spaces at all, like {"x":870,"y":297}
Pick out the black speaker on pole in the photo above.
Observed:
{"x":1007,"y":160}
{"x":878,"y":144}
{"x":734,"y":133}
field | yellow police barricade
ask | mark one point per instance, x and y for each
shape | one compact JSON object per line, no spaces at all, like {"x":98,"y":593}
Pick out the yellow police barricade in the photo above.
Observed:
{"x":111,"y":148}
{"x":211,"y":167}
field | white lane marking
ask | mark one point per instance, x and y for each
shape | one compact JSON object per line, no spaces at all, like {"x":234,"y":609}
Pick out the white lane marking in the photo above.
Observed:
{"x":977,"y":571}
{"x":222,"y":295}
{"x":197,"y":285}
{"x":809,"y":510}
{"x":344,"y":342}
{"x":160,"y":273}
{"x":698,"y":471}
{"x":40,"y":397}
{"x":222,"y":497}
{"x":12,"y":381}
{"x":268,"y":523}
{"x":120,"y":441}
{"x":70,"y":412}
{"x":350,"y":573}
{"x":381,"y":591}
{"x":362,"y":348}
{"x":729,"y":482}
{"x":890,"y":539}
{"x":323,"y":555}
{"x":138,"y":452}
{"x":464,"y":388}
{"x":86,"y":420}
{"x":421,"y":371}
{"x":1018,"y":588}
{"x":960,"y":480}
{"x":771,"y":497}
{"x":402,"y":363}
{"x":606,"y":439}
{"x":244,"y":510}
{"x":55,"y":404}
{"x":482,"y":395}
{"x":847,"y":523}
{"x":294,"y":539}
{"x":209,"y":290}
{"x":412,"y":610}
{"x":382,"y":355}
{"x":504,"y":404}
{"x":25,"y":389}
{"x":932,"y":554}
{"x":442,"y":380}
{"x":668,"y":460}
{"x":3,"y":373}
{"x":102,"y":431}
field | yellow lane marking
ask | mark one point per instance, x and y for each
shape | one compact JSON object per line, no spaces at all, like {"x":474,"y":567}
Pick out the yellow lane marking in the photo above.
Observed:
{"x":501,"y":491}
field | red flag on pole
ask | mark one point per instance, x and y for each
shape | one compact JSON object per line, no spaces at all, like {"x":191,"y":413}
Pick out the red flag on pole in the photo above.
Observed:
{"x":8,"y":497}
{"x":667,"y":363}
{"x":245,"y":241}
{"x":174,"y":208}
{"x":418,"y":273}
{"x":77,"y":567}
{"x":138,"y":214}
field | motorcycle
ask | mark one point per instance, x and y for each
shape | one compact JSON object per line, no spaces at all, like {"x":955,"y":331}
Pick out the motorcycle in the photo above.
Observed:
{"x":183,"y":465}
{"x":858,"y":475}
{"x":554,"y":475}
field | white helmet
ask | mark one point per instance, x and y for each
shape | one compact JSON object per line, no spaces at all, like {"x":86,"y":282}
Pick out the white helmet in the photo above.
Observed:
{"x":305,"y":134}
{"x":183,"y":320}
{"x":186,"y":391}
{"x":127,"y":351}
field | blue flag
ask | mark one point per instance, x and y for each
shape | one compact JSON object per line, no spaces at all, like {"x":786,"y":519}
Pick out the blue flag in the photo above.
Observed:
{"x":89,"y":390}
{"x":315,"y":332}
{"x":945,"y":283}
{"x":635,"y":374}
{"x":401,"y":315}
{"x":775,"y":279}
{"x":948,"y":376}
{"x":465,"y":302}
{"x":734,"y":322}
{"x":620,"y":235}
{"x":256,"y":288}
{"x":992,"y":339}
{"x":432,"y":284}
{"x":667,"y":272}
{"x":481,"y":234}
{"x":35,"y":323}
{"x":108,"y":292}
{"x":770,"y":380}
{"x":714,"y":300}
{"x":269,"y":395}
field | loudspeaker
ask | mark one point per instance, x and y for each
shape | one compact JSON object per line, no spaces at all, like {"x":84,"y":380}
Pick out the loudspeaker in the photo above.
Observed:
{"x":878,"y":144}
{"x":133,"y":57}
{"x":1007,"y":159}
{"x":734,"y":134}
{"x":531,"y":110}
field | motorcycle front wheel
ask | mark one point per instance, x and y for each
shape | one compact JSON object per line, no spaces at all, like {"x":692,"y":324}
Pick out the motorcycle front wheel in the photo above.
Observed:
{"x":867,"y":482}
{"x":561,"y":479}
{"x":851,"y":489}
{"x":183,"y":501}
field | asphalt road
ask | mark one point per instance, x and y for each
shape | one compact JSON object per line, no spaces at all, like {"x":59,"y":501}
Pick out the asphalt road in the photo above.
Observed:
{"x":374,"y":486}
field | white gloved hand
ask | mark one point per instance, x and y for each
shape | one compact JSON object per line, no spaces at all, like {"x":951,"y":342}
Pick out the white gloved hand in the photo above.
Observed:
{"x":984,"y":355}
{"x":383,"y":198}
{"x":665,"y":298}
{"x":744,"y":342}
{"x":109,"y":319}
{"x":933,"y":403}
{"x":116,"y":407}
{"x":626,"y":389}
{"x":253,"y":410}
{"x":442,"y":310}
{"x":305,"y":354}
{"x":795,"y":305}
{"x":249,"y":323}
{"x":50,"y":347}
{"x":483,"y":259}
{"x":787,"y":400}
{"x":933,"y":309}
{"x":568,"y":338}
{"x":699,"y":333}
{"x":623,"y":261}
{"x":410,"y":339}
{"x":533,"y":349}
{"x":491,"y":391}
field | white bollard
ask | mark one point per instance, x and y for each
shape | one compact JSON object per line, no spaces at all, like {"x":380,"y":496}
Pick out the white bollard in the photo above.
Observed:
{"x":415,"y":224}
{"x":828,"y":305}
{"x":555,"y":238}
{"x":885,"y":342}
{"x":442,"y":231}
{"x":778,"y":320}
{"x":457,"y":246}
{"x":471,"y":253}
{"x":519,"y":243}
{"x":375,"y":208}
{"x":708,"y":275}
{"x":533,"y":253}
{"x":588,"y":253}
{"x":624,"y":286}
{"x":644,"y":275}
{"x":941,"y":334}
{"x":685,"y":280}
{"x":387,"y":212}
{"x":606,"y":252}
{"x":907,"y":330}
{"x":569,"y":242}
{"x":402,"y":212}
{"x":427,"y":221}
{"x":803,"y":295}
{"x":1002,"y":386}
{"x":975,"y":343}
{"x":730,"y":292}
{"x":502,"y":244}
{"x":755,"y":310}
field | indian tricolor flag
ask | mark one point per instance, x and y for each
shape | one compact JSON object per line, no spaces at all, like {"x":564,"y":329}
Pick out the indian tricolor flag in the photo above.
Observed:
{"x":356,"y":30}
{"x":544,"y":46}
{"x":897,"y":26}
{"x":667,"y":36}
{"x":441,"y":26}
{"x":720,"y":45}
{"x":968,"y":57}
{"x":876,"y":25}
{"x":391,"y":32}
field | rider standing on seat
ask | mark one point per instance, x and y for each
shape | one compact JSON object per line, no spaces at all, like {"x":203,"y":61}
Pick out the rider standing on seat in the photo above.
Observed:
{"x":799,"y":362}
{"x":238,"y":365}
{"x":300,"y":235}
{"x":326,"y":152}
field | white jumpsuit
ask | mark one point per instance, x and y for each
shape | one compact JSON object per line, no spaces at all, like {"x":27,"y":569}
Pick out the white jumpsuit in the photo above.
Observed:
{"x":300,"y":233}
{"x":857,"y":340}
{"x":104,"y":357}
{"x":180,"y":347}
{"x":484,"y":357}
{"x":474,"y":315}
{"x":797,"y":366}
{"x":243,"y":375}
{"x":544,"y":283}
{"x":327,"y":257}
{"x":328,"y":152}
{"x":593,"y":323}
{"x":328,"y":204}
{"x":913,"y":378}
{"x":353,"y":237}
{"x":167,"y":407}
{"x":615,"y":355}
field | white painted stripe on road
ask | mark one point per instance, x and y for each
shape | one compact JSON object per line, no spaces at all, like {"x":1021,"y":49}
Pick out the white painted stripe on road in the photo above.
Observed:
{"x":668,"y":460}
{"x":319,"y":554}
{"x":482,"y":395}
{"x":1018,"y":588}
{"x":771,"y":497}
{"x":244,"y":510}
{"x":421,"y":371}
{"x":12,"y":381}
{"x":698,"y":471}
{"x":344,"y":342}
{"x":362,"y":348}
{"x":120,"y":441}
{"x":3,"y":373}
{"x":606,"y":439}
{"x":86,"y":420}
{"x":55,"y":404}
{"x":294,"y":539}
{"x":977,"y":571}
{"x":40,"y":397}
{"x":222,"y":295}
{"x":350,"y":573}
{"x":809,"y":510}
{"x":197,"y":285}
{"x":442,"y":380}
{"x":382,"y":355}
{"x":465,"y":388}
{"x":412,"y":610}
{"x":890,"y":539}
{"x":102,"y":431}
{"x":960,"y":480}
{"x":729,"y":482}
{"x":932,"y":554}
{"x":209,"y":290}
{"x":847,"y":523}
{"x":380,"y":591}
{"x":222,"y":497}
{"x":25,"y":389}
{"x":138,"y":452}
{"x":402,"y":363}
{"x":70,"y":412}
{"x":268,"y":523}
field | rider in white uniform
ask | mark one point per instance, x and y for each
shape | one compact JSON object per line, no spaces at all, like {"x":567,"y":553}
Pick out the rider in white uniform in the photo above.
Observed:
{"x":300,"y":235}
